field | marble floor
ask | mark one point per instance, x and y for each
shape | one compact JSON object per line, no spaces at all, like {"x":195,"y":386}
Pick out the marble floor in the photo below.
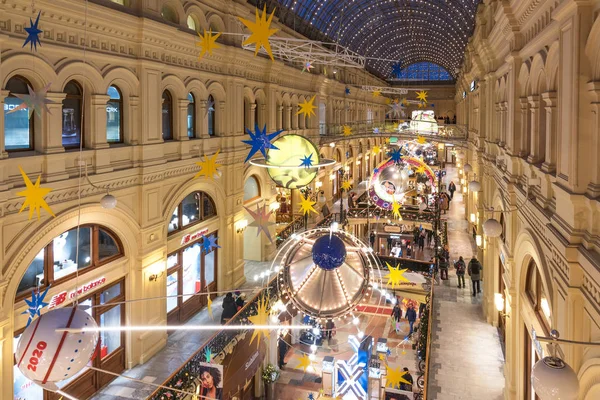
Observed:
{"x":180,"y":346}
{"x":466,"y":357}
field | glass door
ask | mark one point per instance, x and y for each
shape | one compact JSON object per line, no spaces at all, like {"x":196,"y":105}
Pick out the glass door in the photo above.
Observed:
{"x":209,"y":272}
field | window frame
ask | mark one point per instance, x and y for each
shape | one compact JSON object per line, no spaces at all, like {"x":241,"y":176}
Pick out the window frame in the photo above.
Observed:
{"x":81,"y":112}
{"x":31,"y":119}
{"x":201,"y":217}
{"x":191,"y":103}
{"x":535,"y":297}
{"x":257,"y":185}
{"x":95,"y":261}
{"x":211,"y":117}
{"x":121,"y":116}
{"x":170,"y":109}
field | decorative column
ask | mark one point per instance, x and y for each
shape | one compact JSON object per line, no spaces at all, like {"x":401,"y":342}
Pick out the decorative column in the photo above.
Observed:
{"x":550,"y":101}
{"x":202,"y":120}
{"x":594,"y":90}
{"x":523,"y":143}
{"x":180,"y":120}
{"x":537,"y":142}
{"x":96,"y":124}
{"x":132,"y":126}
{"x":220,"y":123}
{"x":279,"y":119}
{"x":294,"y":117}
{"x":287,"y":117}
{"x":512,"y":120}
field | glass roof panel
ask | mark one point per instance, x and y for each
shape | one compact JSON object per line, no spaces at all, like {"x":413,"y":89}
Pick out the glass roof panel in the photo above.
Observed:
{"x":391,"y":31}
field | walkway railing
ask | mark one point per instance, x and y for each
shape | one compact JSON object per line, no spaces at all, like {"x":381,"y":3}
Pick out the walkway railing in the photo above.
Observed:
{"x":297,"y":224}
{"x":426,"y":346}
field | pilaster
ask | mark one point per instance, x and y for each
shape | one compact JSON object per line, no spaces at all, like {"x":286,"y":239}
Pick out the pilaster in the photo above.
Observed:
{"x":550,"y":100}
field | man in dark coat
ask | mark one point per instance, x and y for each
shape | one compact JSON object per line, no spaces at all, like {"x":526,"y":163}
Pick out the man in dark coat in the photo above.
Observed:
{"x":411,"y":316}
{"x":229,"y":308}
{"x":474,"y":270}
{"x":408,"y":377}
{"x":283,"y":349}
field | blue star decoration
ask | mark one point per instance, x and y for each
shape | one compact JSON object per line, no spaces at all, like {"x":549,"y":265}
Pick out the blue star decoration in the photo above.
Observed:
{"x":33,"y":33}
{"x":311,"y":396}
{"x":306,"y":161}
{"x":396,"y":70}
{"x":389,"y":352}
{"x":209,"y":243}
{"x":395,"y":155}
{"x":260,"y":141}
{"x":347,"y":90}
{"x":376,"y":170}
{"x":35,"y":304}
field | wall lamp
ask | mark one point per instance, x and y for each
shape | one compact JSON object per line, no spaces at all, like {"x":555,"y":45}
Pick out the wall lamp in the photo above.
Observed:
{"x":241,"y":225}
{"x":155,"y":277}
{"x":478,"y":240}
{"x":499,"y":303}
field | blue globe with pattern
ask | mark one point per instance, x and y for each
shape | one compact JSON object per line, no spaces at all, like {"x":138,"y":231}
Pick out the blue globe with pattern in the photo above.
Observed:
{"x":329,"y":252}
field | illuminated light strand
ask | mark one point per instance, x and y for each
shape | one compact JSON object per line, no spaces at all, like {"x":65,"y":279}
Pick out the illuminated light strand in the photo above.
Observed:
{"x":178,"y":328}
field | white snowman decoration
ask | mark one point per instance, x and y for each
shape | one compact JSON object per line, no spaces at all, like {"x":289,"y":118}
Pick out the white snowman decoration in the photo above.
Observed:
{"x":46,"y":356}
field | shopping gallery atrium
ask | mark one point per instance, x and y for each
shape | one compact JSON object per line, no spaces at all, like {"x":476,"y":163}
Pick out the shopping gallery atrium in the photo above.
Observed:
{"x":300,"y":199}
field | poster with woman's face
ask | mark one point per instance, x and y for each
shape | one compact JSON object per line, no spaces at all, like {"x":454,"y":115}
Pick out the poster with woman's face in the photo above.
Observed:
{"x":210,"y":384}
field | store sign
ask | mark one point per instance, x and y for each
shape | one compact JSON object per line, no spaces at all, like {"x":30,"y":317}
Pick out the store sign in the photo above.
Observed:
{"x":392,"y":229}
{"x":190,"y":237}
{"x":61,"y":297}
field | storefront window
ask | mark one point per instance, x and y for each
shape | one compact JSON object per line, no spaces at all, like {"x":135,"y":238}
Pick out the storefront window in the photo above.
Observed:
{"x":110,"y":340}
{"x":63,"y":257}
{"x":114,"y":116}
{"x":209,"y":268}
{"x":172,"y":290}
{"x":110,"y":293}
{"x":72,"y":116}
{"x":18,"y":127}
{"x":195,"y":207}
{"x":191,"y":271}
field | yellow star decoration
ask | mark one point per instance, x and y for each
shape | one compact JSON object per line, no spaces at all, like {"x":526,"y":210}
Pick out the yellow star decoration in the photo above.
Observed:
{"x":321,"y":392}
{"x":421,"y":139}
{"x":376,"y":93}
{"x":34,"y":196}
{"x":421,"y":105}
{"x":405,"y":102}
{"x":382,"y":357}
{"x":308,"y":107}
{"x":260,"y":31}
{"x":208,"y":167}
{"x":388,"y":100}
{"x":395,"y":275}
{"x":261,"y":318}
{"x":346,"y":185}
{"x":387,"y":140}
{"x":209,"y":308}
{"x":396,"y":209}
{"x":422,"y":96}
{"x":207,"y":43}
{"x":304,"y":362}
{"x":421,"y":170}
{"x":306,"y":206}
{"x":395,"y":377}
{"x":347,"y":130}
{"x":376,"y":150}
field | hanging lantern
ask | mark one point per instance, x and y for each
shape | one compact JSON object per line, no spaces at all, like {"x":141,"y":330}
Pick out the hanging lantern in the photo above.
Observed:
{"x":492,"y":228}
{"x":108,"y":201}
{"x":474,"y":186}
{"x":468,"y":168}
{"x":554,"y":379}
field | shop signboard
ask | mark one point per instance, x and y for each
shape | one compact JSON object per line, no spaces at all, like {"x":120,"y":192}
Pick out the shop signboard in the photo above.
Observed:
{"x":191,"y":237}
{"x":83,"y":290}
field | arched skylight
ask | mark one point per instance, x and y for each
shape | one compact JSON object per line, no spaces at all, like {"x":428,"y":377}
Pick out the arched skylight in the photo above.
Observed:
{"x":388,"y":31}
{"x":423,"y":71}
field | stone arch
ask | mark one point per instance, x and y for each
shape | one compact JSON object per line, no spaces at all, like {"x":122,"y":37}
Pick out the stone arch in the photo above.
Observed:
{"x":538,"y":79}
{"x":262,"y":178}
{"x":178,"y":7}
{"x":552,"y":66}
{"x":126,"y":80}
{"x":197,"y":14}
{"x":197,"y":88}
{"x":215,"y":21}
{"x":589,"y":379}
{"x":175,"y":86}
{"x":35,"y":69}
{"x":87,"y":75}
{"x":524,"y":82}
{"x":529,"y":248}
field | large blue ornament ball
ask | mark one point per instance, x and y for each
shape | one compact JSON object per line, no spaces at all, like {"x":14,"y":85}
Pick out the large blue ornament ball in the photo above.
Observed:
{"x":329,"y":252}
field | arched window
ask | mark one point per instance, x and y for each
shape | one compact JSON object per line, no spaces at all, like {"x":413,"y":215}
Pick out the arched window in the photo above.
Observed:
{"x":18,"y":126}
{"x":503,"y":224}
{"x":211,"y":116}
{"x":169,"y":14}
{"x":114,"y":116}
{"x":60,"y":260}
{"x":537,"y":295}
{"x":191,"y":23}
{"x":72,"y":132}
{"x":251,"y":189}
{"x":256,"y":114}
{"x":337,"y":155}
{"x":167,"y":116}
{"x":195,"y":207}
{"x":191,"y":116}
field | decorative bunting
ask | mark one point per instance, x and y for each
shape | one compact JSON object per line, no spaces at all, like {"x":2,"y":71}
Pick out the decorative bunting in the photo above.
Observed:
{"x":308,"y":107}
{"x":35,"y":304}
{"x":34,"y":101}
{"x":33,"y":33}
{"x":261,"y":220}
{"x":261,"y":318}
{"x":208,"y":167}
{"x":260,"y":141}
{"x":261,"y":31}
{"x":34,"y":196}
{"x":207,"y":43}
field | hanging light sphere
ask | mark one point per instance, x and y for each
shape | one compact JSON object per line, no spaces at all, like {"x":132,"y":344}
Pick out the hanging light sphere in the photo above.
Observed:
{"x":108,"y":201}
{"x":474,"y":186}
{"x":553,"y":379}
{"x":468,"y":168}
{"x":492,"y":228}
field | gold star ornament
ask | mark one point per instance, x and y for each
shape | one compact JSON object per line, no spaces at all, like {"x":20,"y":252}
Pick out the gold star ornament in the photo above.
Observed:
{"x":420,"y":170}
{"x":304,"y":362}
{"x":208,"y":167}
{"x":396,"y":209}
{"x":376,"y":93}
{"x":388,"y":100}
{"x":422,"y":96}
{"x":347,"y":130}
{"x":261,"y":318}
{"x":346,"y":185}
{"x":306,"y":206}
{"x":308,"y":107}
{"x":395,"y":377}
{"x":421,"y":140}
{"x":376,"y":150}
{"x":395,"y":275}
{"x":261,"y":31}
{"x":207,"y":43}
{"x":34,"y":196}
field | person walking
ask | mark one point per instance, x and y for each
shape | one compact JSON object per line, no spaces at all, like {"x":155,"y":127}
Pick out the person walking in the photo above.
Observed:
{"x":460,"y":271}
{"x":397,"y":316}
{"x":408,"y":377}
{"x":443,"y":268}
{"x":451,"y":189}
{"x":411,"y":316}
{"x":283,"y":349}
{"x":329,"y":328}
{"x":474,"y":270}
{"x":229,"y":308}
{"x":422,"y":241}
{"x":372,"y":239}
{"x":389,"y":243}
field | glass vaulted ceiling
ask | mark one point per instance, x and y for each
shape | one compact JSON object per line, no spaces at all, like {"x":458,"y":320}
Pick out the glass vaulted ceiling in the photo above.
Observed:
{"x":390,"y":31}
